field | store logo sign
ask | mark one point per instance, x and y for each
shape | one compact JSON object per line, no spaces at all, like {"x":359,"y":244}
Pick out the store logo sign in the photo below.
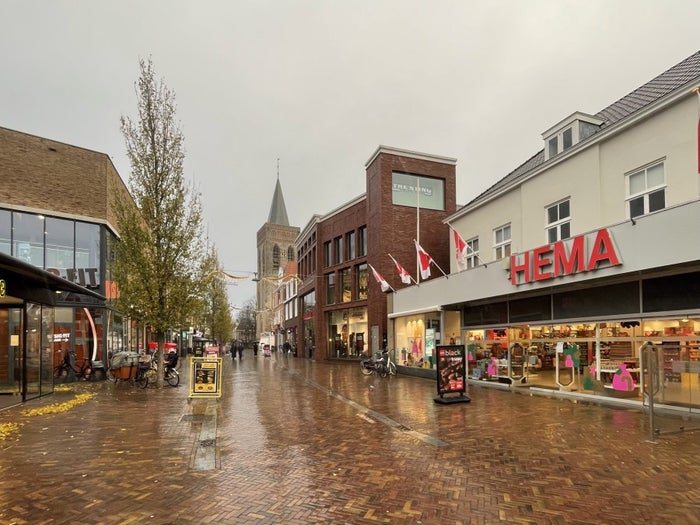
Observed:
{"x":583,"y":253}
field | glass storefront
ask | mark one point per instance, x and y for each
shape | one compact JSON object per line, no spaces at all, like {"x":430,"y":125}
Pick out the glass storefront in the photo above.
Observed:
{"x":416,"y":336}
{"x":601,"y":358}
{"x":347,"y":333}
{"x":308,"y":324}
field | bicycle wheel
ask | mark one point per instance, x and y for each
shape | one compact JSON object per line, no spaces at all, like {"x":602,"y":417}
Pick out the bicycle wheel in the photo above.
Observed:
{"x":110,"y":375}
{"x":366,"y":368}
{"x":383,"y":371}
{"x":172,"y":377}
{"x":152,"y":375}
{"x":60,"y":371}
{"x":141,"y":379}
{"x":391,"y":369}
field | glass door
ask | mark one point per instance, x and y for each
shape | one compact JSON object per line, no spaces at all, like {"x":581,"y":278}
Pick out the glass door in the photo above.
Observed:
{"x":10,"y":356}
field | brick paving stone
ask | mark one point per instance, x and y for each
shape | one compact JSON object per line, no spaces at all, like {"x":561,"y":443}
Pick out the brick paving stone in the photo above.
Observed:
{"x":299,"y":442}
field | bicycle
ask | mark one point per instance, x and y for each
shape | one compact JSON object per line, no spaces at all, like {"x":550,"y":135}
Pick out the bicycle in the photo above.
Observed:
{"x":86,"y":372}
{"x":139,"y":371}
{"x":381,"y":364}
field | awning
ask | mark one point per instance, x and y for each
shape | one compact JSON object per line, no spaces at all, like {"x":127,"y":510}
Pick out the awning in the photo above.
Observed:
{"x":21,"y":280}
{"x":425,"y":310}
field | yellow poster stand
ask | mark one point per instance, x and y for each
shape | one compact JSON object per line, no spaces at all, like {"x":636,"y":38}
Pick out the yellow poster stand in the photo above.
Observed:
{"x":205,"y":377}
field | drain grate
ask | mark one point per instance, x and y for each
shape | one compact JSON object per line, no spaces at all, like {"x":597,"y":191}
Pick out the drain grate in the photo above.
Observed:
{"x":207,"y":443}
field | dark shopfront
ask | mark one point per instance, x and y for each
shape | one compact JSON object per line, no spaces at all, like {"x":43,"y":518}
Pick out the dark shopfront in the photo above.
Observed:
{"x":28,"y":297}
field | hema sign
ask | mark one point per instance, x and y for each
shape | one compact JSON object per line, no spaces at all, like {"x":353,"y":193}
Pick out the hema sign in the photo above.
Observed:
{"x":583,"y":253}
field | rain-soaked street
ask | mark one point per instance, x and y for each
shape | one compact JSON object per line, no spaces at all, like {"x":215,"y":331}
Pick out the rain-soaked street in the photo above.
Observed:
{"x":297,"y":442}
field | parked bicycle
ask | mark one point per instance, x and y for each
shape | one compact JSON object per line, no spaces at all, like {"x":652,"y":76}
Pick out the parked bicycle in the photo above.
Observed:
{"x":170,"y":373}
{"x":129,"y":366}
{"x":381,"y":364}
{"x":87,"y":371}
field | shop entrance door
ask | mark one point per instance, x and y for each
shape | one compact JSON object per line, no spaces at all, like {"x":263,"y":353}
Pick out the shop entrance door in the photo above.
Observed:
{"x":11,"y":357}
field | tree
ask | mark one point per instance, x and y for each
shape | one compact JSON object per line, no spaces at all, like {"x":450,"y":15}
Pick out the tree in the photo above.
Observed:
{"x":247,"y":318}
{"x":157,"y":265}
{"x":217,"y":310}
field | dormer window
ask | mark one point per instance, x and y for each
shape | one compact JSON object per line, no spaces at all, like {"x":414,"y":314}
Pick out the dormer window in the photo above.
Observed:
{"x":569,"y":132}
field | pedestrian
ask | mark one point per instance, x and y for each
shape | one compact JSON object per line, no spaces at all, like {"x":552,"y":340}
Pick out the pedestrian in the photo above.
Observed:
{"x":287,"y":348}
{"x":240,"y":350}
{"x":255,"y":349}
{"x":233,"y":349}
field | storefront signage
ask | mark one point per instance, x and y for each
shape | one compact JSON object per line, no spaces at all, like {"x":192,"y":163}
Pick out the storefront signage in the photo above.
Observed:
{"x":451,"y":369}
{"x":583,"y":253}
{"x":87,"y":277}
{"x":3,"y":287}
{"x":205,"y":377}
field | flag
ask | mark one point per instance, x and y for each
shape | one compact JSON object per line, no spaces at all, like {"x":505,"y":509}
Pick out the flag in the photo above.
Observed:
{"x":424,"y":261}
{"x":460,"y":251}
{"x":403,"y":273}
{"x":378,"y":277}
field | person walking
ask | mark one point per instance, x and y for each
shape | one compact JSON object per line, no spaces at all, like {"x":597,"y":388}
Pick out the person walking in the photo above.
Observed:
{"x":240,"y":350}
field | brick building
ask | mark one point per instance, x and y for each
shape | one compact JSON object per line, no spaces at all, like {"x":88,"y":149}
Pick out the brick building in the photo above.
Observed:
{"x":342,"y":310}
{"x":56,"y":217}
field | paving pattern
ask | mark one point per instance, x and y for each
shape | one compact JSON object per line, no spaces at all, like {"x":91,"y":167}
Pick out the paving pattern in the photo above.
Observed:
{"x":297,"y":442}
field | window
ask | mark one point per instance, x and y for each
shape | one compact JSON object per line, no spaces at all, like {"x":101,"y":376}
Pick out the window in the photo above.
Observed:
{"x":553,"y":147}
{"x":351,"y":245}
{"x":330,"y":288}
{"x":501,"y":244}
{"x":558,"y":222}
{"x":338,"y":250}
{"x":327,"y":255}
{"x":362,"y":276}
{"x":567,"y":139}
{"x":472,"y":253}
{"x":290,"y":253}
{"x":346,"y":285}
{"x":275,"y":257}
{"x":5,"y":232}
{"x":646,"y":190}
{"x":28,"y":238}
{"x":363,"y":242}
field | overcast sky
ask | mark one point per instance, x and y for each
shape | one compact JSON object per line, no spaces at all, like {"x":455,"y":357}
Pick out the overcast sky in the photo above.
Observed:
{"x":320,"y":84}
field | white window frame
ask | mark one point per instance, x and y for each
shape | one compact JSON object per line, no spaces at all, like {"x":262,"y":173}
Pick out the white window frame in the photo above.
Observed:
{"x":557,"y":224}
{"x":501,"y":249}
{"x":647,"y":190}
{"x":472,"y":252}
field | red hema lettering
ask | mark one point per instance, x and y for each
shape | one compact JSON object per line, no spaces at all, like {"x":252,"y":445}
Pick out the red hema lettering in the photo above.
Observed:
{"x":563,"y":258}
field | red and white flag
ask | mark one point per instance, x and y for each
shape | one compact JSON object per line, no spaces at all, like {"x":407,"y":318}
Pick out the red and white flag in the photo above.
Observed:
{"x":403,"y":273}
{"x":460,"y":251}
{"x":382,"y":282}
{"x":424,"y":261}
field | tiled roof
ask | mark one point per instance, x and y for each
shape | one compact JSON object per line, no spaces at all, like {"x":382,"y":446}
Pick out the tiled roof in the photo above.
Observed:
{"x":667,"y":82}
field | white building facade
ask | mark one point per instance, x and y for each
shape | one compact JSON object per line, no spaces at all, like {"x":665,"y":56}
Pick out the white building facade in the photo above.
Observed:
{"x":586,"y":270}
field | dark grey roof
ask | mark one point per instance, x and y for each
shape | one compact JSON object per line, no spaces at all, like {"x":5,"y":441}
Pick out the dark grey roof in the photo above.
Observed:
{"x":667,"y":82}
{"x":278,"y":211}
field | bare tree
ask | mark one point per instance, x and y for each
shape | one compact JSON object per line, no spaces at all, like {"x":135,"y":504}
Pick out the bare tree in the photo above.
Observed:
{"x":158,"y":264}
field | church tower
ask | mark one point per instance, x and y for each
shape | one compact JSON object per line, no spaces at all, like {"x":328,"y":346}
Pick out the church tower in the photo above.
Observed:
{"x":275,"y":248}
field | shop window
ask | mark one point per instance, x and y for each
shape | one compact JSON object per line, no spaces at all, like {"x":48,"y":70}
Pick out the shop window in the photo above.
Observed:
{"x":646,"y":190}
{"x":330,"y":288}
{"x":501,"y":242}
{"x":60,"y":245}
{"x":559,"y":221}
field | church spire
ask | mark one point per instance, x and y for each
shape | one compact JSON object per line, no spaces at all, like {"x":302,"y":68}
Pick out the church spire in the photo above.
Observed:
{"x":278,"y":211}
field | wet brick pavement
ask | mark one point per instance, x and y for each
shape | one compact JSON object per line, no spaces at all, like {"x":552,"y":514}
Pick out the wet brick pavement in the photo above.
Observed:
{"x":297,"y":442}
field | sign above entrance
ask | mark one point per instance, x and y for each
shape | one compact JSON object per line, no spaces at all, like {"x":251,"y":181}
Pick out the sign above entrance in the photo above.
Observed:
{"x":583,"y":253}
